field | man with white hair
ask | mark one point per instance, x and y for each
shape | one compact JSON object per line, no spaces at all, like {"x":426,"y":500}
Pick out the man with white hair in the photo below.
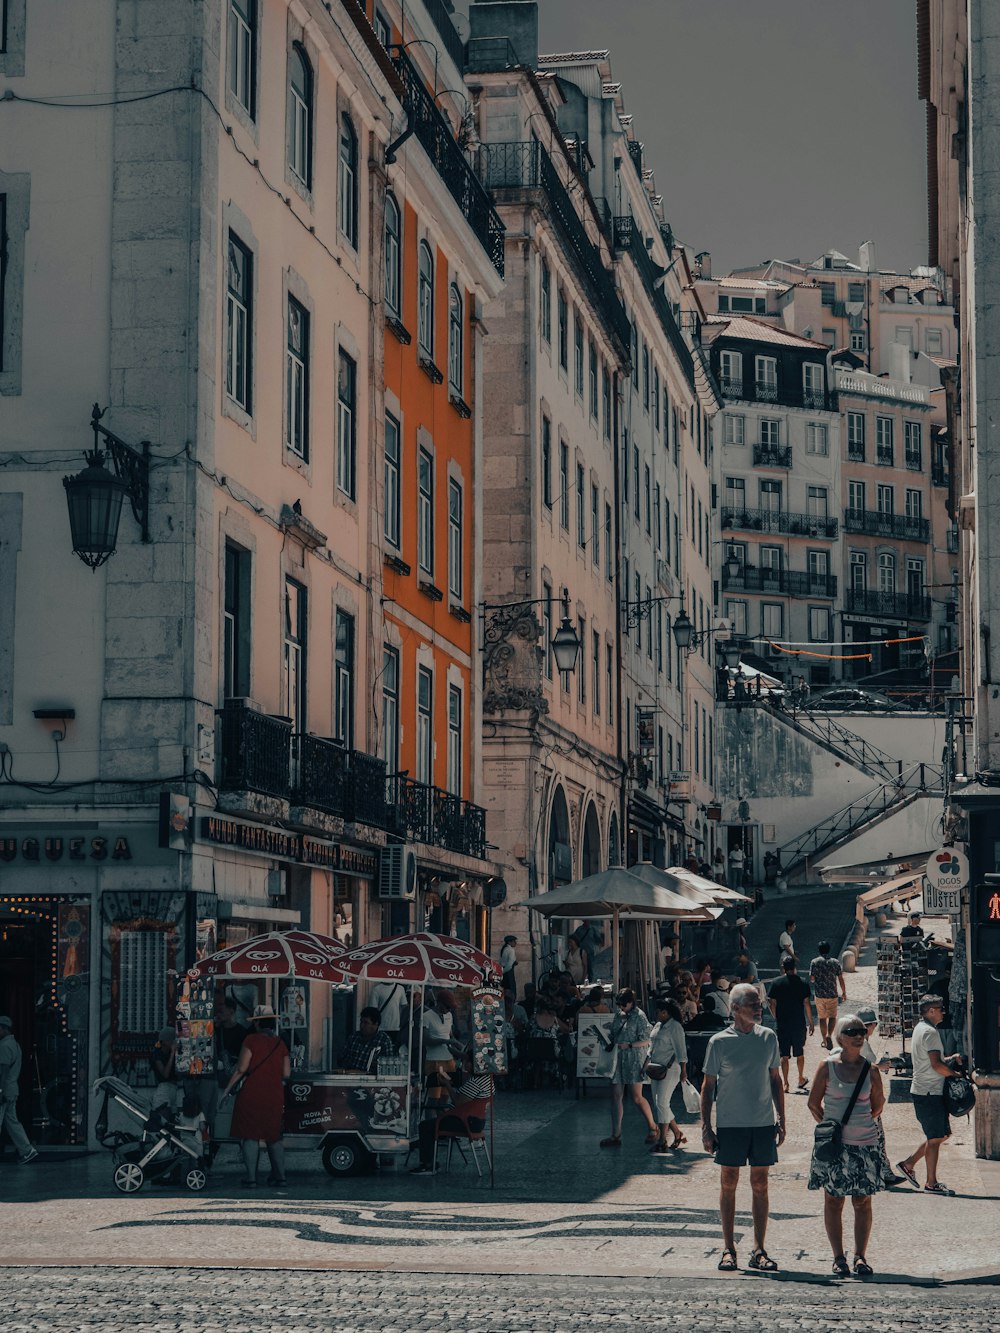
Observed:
{"x":743,"y":1080}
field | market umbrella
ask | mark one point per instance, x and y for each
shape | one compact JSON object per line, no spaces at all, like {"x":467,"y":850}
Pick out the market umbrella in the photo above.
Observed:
{"x":280,"y":953}
{"x":419,"y":959}
{"x":697,"y":888}
{"x":691,"y":897}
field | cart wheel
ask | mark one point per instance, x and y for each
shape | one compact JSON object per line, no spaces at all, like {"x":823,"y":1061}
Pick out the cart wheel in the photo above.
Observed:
{"x":128,"y":1177}
{"x":196,"y":1179}
{"x":346,"y":1157}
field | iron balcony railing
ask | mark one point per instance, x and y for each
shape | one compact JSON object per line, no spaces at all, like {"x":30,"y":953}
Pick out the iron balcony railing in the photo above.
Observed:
{"x":446,"y":30}
{"x":893,"y":605}
{"x":768,"y":391}
{"x":628,"y":236}
{"x":255,"y":750}
{"x":433,"y":130}
{"x":939,"y":475}
{"x":914,"y":462}
{"x":795,"y":582}
{"x":772,"y":455}
{"x":781,"y":520}
{"x":341,"y":781}
{"x":885,"y":455}
{"x":527,"y":166}
{"x":855,"y":452}
{"x":871,"y":523}
{"x":440,"y":818}
{"x":489,"y":54}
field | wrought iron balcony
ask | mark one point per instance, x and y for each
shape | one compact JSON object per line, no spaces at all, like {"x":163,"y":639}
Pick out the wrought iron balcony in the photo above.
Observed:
{"x":730,"y":386}
{"x":776,"y":392}
{"x":939,"y":475}
{"x":885,"y":455}
{"x":440,"y":818}
{"x":527,"y":166}
{"x":628,"y":237}
{"x":767,"y":520}
{"x":772,"y":455}
{"x":914,"y":461}
{"x":891,"y":605}
{"x":873,"y":524}
{"x":793,"y":582}
{"x":446,"y":30}
{"x":855,"y":452}
{"x":255,"y":750}
{"x":814,"y":398}
{"x":341,"y":781}
{"x":431,"y":127}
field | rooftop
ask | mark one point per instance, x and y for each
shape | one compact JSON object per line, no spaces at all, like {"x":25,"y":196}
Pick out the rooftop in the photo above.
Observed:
{"x":749,"y":329}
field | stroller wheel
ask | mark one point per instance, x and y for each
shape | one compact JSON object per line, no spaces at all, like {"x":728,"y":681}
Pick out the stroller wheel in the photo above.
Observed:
{"x":128,"y":1177}
{"x":196,"y":1179}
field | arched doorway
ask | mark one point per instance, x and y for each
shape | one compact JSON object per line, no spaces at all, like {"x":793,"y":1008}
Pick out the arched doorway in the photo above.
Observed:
{"x":560,"y":852}
{"x":614,"y":842}
{"x":590,"y":862}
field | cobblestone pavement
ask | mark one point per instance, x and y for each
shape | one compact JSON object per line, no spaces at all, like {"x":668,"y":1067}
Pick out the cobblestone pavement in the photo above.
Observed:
{"x":223,"y":1301}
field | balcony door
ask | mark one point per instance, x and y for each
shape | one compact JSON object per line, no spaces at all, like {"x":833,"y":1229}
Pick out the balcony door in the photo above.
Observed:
{"x":887,"y":573}
{"x":425,"y":729}
{"x":770,"y":497}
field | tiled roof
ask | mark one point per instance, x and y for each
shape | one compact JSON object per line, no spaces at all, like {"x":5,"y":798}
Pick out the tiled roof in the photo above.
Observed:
{"x":756,"y":330}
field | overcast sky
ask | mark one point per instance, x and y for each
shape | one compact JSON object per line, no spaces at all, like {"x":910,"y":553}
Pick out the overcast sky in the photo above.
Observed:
{"x":774,"y":127}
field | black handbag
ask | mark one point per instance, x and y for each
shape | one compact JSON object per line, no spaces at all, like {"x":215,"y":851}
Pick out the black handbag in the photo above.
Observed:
{"x":828,"y":1136}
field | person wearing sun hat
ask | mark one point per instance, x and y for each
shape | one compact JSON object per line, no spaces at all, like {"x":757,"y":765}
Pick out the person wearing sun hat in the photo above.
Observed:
{"x":261,"y":1070}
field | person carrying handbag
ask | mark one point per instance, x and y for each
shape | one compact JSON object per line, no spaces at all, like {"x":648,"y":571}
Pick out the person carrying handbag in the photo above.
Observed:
{"x":846,"y":1100}
{"x":665,"y":1068}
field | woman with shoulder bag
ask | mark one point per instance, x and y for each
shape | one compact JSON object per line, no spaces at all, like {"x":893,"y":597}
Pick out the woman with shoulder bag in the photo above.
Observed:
{"x":666,"y":1067}
{"x":629,"y":1036}
{"x":846,"y":1099}
{"x":263,"y":1066}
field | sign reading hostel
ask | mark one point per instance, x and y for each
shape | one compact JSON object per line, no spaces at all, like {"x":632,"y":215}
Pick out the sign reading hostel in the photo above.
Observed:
{"x":947,"y":874}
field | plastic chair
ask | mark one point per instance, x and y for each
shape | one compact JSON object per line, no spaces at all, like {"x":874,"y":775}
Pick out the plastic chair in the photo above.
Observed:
{"x":477,"y":1110}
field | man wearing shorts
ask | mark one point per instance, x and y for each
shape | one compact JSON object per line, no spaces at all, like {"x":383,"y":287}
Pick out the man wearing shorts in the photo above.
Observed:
{"x":743,"y":1079}
{"x":930,"y":1069}
{"x":826,"y":975}
{"x":789,"y":1000}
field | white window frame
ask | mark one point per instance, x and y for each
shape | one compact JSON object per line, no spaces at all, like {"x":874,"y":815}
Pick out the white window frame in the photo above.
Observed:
{"x":347,"y":398}
{"x":817,"y":439}
{"x":734,"y":429}
{"x":300,"y":118}
{"x":456,"y":540}
{"x":454,"y":772}
{"x":297,"y":380}
{"x":242,"y":53}
{"x":393,"y":257}
{"x":425,"y":726}
{"x":425,"y":300}
{"x":348,"y":170}
{"x":239,"y":326}
{"x":393,"y":474}
{"x":425,"y":511}
{"x":456,"y":341}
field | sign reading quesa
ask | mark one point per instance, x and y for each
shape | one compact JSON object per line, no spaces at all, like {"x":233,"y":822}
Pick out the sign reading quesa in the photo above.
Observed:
{"x":56,"y":848}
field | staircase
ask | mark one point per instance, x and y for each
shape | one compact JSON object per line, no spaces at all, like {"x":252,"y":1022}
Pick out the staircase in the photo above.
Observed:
{"x":885,"y":799}
{"x":840,"y":742}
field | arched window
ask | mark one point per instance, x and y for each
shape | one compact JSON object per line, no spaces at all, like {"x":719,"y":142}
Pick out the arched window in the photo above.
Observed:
{"x":348,"y":183}
{"x":300,"y":93}
{"x":455,"y":352}
{"x":393,"y":257}
{"x":887,"y":572}
{"x":425,"y":300}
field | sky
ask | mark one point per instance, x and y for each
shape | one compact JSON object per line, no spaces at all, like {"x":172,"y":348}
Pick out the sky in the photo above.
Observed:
{"x":775,"y":128}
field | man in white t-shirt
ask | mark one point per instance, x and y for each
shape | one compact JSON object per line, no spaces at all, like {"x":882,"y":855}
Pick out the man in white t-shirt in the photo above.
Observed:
{"x":930,"y":1069}
{"x":389,"y":997}
{"x":786,"y":945}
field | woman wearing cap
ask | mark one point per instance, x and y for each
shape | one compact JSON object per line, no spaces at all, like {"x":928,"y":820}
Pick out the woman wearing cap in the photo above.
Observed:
{"x":263,"y":1066}
{"x":857,"y":1172}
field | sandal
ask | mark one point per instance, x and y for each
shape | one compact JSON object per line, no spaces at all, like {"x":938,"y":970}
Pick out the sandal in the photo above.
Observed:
{"x":761,"y":1262}
{"x":614,"y":1142}
{"x":862,"y":1268}
{"x":678,"y":1139}
{"x":727,"y":1264}
{"x":841,"y":1267}
{"x":652,"y":1137}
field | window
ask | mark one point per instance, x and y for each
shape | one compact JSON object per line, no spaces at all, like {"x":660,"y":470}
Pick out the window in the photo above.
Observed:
{"x":581,"y":508}
{"x":297,"y":380}
{"x":239,"y":325}
{"x":578,"y":354}
{"x":772,"y":624}
{"x":828,"y":293}
{"x":812,"y":384}
{"x":593,"y":380}
{"x":914,"y":504}
{"x":390,"y":708}
{"x":904,"y":334}
{"x":883,"y":440}
{"x":856,"y":436}
{"x":636,"y":501}
{"x":300,"y":116}
{"x":816,"y":439}
{"x":294,"y":658}
{"x":609,"y":555}
{"x":545,"y":301}
{"x":857,"y":342}
{"x":647,"y":492}
{"x":564,"y":485}
{"x":595,"y":672}
{"x":818,"y":564}
{"x":856,"y":495}
{"x":425,"y":730}
{"x":913,"y":450}
{"x":581,"y":665}
{"x":606,"y":402}
{"x":859,"y":571}
{"x":733,"y":429}
{"x":455,"y":542}
{"x":914,"y":577}
{"x":656,"y":399}
{"x":347,"y":383}
{"x":625,"y":466}
{"x":563,"y":316}
{"x":659,"y":638}
{"x":817,"y":502}
{"x":343,"y":680}
{"x":547,"y":462}
{"x":243,"y":53}
{"x":770,"y":497}
{"x":885,"y":500}
{"x":766,"y":376}
{"x":770,"y":431}
{"x":820,"y":624}
{"x":456,"y":365}
{"x":236,"y":623}
{"x":635,"y":353}
{"x":736,"y":614}
{"x":736,"y":493}
{"x":425,"y":300}
{"x":547,"y":629}
{"x":933,"y":342}
{"x":348,"y":183}
{"x":425,"y":511}
{"x":855,"y":291}
{"x":731,"y":370}
{"x":657,"y":520}
{"x":609,"y":681}
{"x":382,"y":29}
{"x":454,"y":740}
{"x":887,"y":572}
{"x":595,"y":524}
{"x":393,"y":257}
{"x":645,"y":377}
{"x":392,"y":475}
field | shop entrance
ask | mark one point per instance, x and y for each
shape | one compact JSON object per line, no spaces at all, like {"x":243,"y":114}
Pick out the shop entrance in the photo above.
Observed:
{"x":45,"y":988}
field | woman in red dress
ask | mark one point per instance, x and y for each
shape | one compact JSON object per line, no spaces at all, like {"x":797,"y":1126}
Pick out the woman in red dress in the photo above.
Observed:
{"x":264,"y":1065}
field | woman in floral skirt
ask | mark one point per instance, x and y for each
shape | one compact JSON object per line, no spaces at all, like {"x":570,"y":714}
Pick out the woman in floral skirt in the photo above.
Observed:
{"x":630,"y":1029}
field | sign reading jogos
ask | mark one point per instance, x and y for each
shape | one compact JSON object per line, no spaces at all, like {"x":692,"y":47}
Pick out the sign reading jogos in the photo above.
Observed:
{"x":947,"y":874}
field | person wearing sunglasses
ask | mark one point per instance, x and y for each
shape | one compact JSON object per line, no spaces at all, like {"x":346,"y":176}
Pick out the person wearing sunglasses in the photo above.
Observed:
{"x":629,"y":1035}
{"x":930,"y":1069}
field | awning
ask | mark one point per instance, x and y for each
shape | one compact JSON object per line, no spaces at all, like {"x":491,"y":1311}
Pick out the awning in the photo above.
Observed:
{"x":902,"y":886}
{"x":257,"y":911}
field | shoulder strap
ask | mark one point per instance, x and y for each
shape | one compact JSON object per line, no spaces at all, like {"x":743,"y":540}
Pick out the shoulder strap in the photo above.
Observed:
{"x":856,"y":1093}
{"x":388,"y":998}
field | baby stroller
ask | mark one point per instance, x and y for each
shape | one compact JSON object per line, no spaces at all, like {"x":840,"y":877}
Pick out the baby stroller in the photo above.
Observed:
{"x":168,"y":1144}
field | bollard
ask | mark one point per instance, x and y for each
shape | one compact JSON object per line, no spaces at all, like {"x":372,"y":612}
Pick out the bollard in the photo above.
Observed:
{"x":848,"y":960}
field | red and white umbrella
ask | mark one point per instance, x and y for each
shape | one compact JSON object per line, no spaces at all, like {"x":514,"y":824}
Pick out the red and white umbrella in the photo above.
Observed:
{"x":281,"y":953}
{"x":420,"y":959}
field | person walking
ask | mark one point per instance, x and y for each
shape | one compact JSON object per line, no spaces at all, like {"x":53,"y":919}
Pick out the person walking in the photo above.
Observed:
{"x":508,"y":963}
{"x":930,"y":1069}
{"x":629,"y":1035}
{"x":786,"y":945}
{"x":789,"y":1000}
{"x":736,"y":862}
{"x":826,"y":976}
{"x":262,"y":1069}
{"x":667,"y":1051}
{"x":10,"y":1074}
{"x":848,"y":1088}
{"x":743,"y":1081}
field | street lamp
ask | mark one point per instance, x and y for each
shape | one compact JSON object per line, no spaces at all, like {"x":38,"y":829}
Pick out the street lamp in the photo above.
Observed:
{"x":731,"y":653}
{"x":566,"y":642}
{"x":95,"y":495}
{"x":504,"y":685}
{"x":683,"y":630}
{"x":731,"y":567}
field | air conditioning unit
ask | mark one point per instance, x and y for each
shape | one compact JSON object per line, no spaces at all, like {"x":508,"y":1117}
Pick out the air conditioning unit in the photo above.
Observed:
{"x":397,"y":873}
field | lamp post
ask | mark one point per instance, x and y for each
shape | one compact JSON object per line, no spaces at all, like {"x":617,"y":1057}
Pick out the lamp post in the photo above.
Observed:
{"x":95,"y":495}
{"x":503,"y":621}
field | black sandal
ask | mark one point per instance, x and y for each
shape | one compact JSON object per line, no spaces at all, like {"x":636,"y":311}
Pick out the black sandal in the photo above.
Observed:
{"x":862,"y":1268}
{"x":761,"y":1262}
{"x":841,"y":1268}
{"x":727,"y":1264}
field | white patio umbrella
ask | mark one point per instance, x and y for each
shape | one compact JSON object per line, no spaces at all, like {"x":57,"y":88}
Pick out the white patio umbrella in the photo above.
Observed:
{"x":699,"y":889}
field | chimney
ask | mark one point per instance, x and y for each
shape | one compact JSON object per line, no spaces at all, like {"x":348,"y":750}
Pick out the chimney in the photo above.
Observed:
{"x":516,"y":20}
{"x":899,"y":362}
{"x":866,"y":257}
{"x":704,"y":263}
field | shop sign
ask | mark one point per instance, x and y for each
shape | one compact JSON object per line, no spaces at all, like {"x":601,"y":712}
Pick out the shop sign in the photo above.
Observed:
{"x":286,"y":846}
{"x":53,"y":847}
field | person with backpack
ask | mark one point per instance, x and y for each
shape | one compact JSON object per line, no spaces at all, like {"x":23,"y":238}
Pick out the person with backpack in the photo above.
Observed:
{"x":930,"y":1069}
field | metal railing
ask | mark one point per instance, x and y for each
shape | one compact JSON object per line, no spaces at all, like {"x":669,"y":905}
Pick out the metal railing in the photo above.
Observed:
{"x":255,"y":750}
{"x":913,"y":462}
{"x":838,"y":739}
{"x":628,"y":236}
{"x":855,"y":452}
{"x":768,"y":391}
{"x":440,"y":818}
{"x":939,"y":476}
{"x":341,"y":781}
{"x":872,"y":523}
{"x":435,"y":133}
{"x":885,"y":455}
{"x":772,"y":455}
{"x":526,"y":165}
{"x":894,"y":605}
{"x":489,"y":54}
{"x":797,"y":582}
{"x":781,"y":520}
{"x":447,"y":31}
